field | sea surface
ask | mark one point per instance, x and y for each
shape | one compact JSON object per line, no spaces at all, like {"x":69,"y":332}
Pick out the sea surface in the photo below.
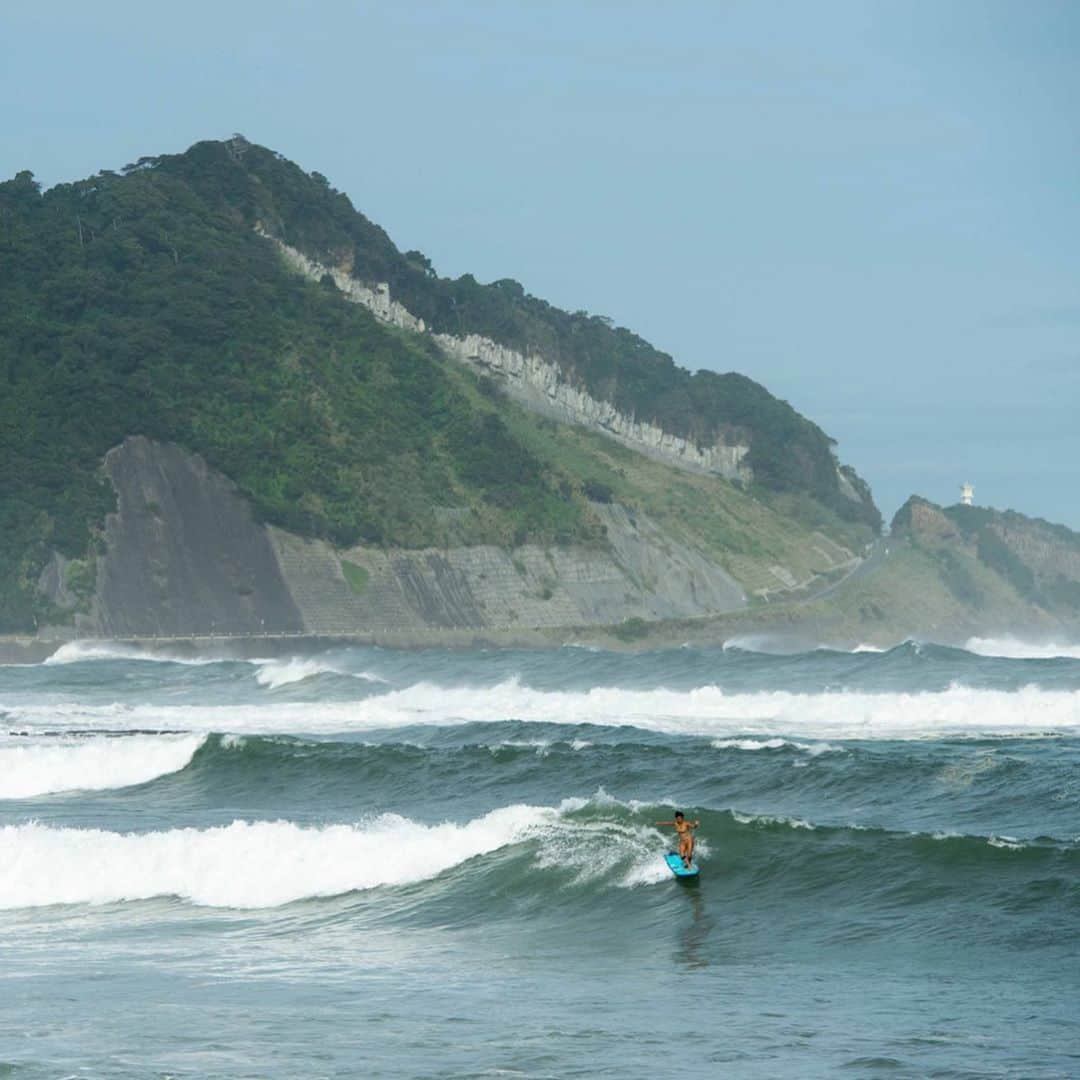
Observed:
{"x":440,"y":863}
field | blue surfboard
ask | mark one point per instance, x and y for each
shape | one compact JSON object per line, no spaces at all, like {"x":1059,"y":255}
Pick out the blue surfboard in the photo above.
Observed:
{"x":678,"y":867}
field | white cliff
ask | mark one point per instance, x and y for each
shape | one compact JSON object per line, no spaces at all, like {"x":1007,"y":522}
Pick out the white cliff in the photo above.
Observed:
{"x":535,"y":382}
{"x":539,"y":384}
{"x":377,"y":300}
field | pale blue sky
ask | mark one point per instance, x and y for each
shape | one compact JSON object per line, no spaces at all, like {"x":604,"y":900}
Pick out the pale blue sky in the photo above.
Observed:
{"x":872,"y":208}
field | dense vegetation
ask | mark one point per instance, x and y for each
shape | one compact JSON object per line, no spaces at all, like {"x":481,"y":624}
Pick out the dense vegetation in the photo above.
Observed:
{"x":787,"y":451}
{"x":129,"y":304}
{"x":144,"y":302}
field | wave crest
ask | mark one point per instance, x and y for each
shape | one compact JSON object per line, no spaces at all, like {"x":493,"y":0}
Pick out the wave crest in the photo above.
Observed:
{"x":78,"y":652}
{"x":813,"y":749}
{"x":269,"y":863}
{"x":245,"y":864}
{"x":1015,"y":649}
{"x":93,"y":764}
{"x":292,"y":669}
{"x":707,"y":711}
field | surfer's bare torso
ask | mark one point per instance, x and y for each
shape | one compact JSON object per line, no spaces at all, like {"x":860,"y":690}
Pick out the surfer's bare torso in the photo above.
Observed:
{"x":685,"y":829}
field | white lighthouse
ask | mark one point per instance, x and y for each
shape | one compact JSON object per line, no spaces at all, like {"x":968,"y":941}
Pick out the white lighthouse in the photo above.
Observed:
{"x":967,"y":494}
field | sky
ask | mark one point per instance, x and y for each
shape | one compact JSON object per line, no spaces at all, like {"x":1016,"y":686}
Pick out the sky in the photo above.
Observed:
{"x":872,"y":208}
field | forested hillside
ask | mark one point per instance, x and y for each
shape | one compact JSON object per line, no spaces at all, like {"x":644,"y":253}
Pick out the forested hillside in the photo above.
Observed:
{"x":787,"y":451}
{"x":144,"y":302}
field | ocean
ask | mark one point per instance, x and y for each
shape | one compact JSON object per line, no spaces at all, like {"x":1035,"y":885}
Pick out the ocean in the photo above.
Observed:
{"x":439,"y":863}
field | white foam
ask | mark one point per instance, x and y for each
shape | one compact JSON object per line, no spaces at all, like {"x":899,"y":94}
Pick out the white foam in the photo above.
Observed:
{"x":704,"y":711}
{"x":268,"y":863}
{"x":761,"y":643}
{"x":1014,"y":649}
{"x":1008,"y":843}
{"x":592,"y":850}
{"x":292,"y":669}
{"x":813,"y":749}
{"x":94,"y":764}
{"x":602,"y":845}
{"x":750,"y":744}
{"x":77,"y":652}
{"x":271,"y":672}
{"x":771,"y":819}
{"x":541,"y":746}
{"x":771,"y":645}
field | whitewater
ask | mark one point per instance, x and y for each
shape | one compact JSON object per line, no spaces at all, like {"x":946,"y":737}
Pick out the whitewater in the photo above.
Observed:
{"x":476,"y":830}
{"x":90,"y":764}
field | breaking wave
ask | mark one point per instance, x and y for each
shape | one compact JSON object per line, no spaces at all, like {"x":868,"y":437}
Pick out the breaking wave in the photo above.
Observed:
{"x":78,"y":652}
{"x":1015,"y":649}
{"x":91,"y":764}
{"x":773,"y":645}
{"x":813,"y":749}
{"x":596,"y":843}
{"x":293,"y":669}
{"x":269,"y":863}
{"x":703,"y":711}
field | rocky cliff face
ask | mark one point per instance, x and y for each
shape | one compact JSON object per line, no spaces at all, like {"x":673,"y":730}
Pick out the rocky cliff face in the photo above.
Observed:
{"x":920,"y":520}
{"x":375,"y":298}
{"x":182,"y":553}
{"x":535,"y":382}
{"x":183,"y":556}
{"x":1051,"y":555}
{"x":644,"y":575}
{"x":998,"y":560}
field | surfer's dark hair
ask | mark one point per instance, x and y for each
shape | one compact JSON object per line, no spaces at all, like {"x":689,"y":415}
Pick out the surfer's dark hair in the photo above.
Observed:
{"x":679,"y":813}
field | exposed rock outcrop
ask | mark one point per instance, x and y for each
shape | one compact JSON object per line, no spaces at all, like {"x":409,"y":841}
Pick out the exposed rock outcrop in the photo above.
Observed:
{"x":539,"y":385}
{"x":997,"y":563}
{"x":375,"y":298}
{"x":535,"y":382}
{"x":182,"y":552}
{"x":183,"y":556}
{"x":644,"y":574}
{"x":55,"y":582}
{"x":1044,"y":548}
{"x":923,"y":520}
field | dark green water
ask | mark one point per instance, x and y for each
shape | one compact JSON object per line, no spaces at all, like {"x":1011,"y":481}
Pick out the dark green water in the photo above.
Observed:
{"x":369,"y":863}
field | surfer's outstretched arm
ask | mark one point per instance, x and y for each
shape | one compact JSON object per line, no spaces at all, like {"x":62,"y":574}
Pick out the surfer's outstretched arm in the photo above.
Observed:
{"x":671,"y":823}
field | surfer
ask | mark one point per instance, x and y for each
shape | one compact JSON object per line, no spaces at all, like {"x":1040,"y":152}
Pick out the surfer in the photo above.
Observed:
{"x":685,"y":829}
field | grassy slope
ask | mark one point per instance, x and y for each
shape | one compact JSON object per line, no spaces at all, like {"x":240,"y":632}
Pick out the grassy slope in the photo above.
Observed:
{"x":920,"y":591}
{"x":742,"y":532}
{"x":934,"y":588}
{"x":907,"y":597}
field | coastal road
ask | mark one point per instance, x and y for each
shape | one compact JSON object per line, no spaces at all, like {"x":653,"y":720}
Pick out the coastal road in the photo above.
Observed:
{"x":873,"y":562}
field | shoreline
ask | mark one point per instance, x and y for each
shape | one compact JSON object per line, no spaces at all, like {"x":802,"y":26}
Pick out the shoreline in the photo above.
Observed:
{"x":790,"y":627}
